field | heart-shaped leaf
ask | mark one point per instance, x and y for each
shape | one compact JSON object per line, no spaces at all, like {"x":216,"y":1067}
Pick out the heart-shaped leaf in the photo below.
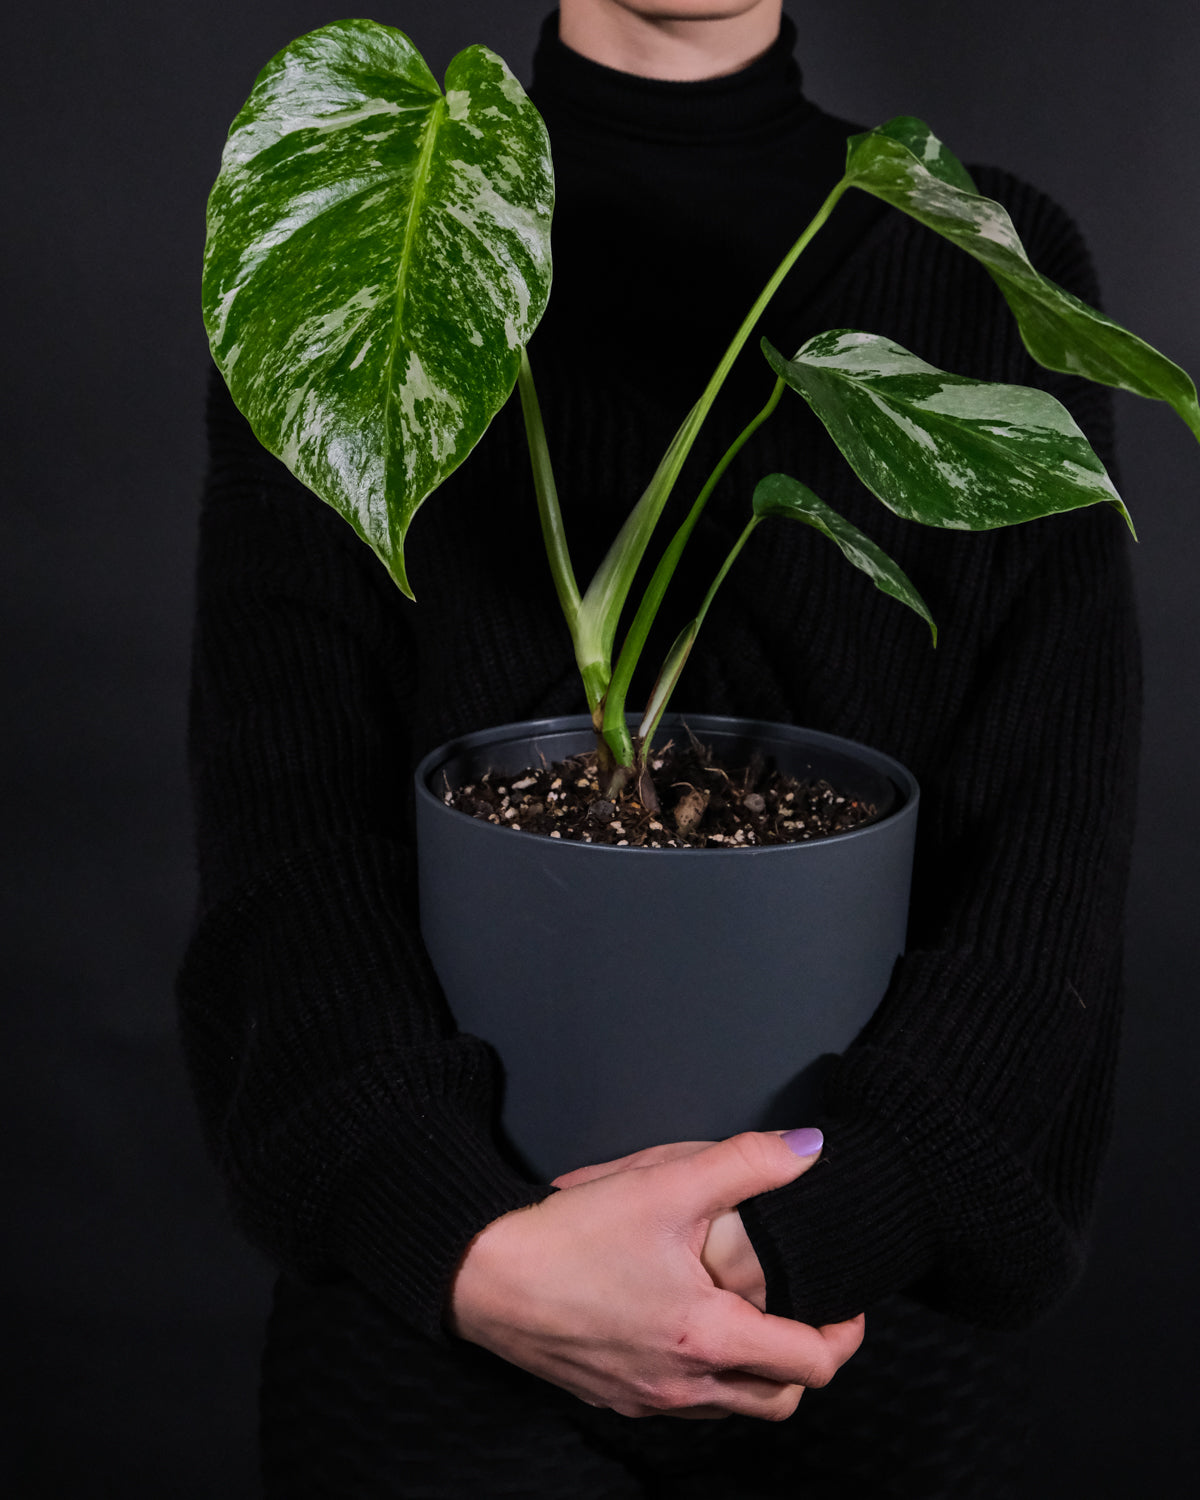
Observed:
{"x":378,"y":255}
{"x":906,"y":165}
{"x":781,"y":495}
{"x":940,"y":448}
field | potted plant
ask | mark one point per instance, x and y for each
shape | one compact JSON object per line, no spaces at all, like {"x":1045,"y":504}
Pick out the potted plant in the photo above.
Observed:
{"x":378,"y":257}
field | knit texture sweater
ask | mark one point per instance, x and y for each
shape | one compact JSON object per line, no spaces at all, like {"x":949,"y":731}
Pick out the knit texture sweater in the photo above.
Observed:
{"x":355,"y":1125}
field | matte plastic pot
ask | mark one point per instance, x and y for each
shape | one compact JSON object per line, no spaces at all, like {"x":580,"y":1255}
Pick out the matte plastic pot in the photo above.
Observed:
{"x":638,"y":996}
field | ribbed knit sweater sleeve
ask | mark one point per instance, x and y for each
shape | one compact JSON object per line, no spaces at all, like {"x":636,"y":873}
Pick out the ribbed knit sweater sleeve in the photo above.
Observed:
{"x":354,"y":1126}
{"x":966,"y":1125}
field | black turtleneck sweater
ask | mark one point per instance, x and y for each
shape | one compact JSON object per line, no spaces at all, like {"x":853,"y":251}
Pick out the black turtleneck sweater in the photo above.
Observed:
{"x":675,"y":203}
{"x":353,"y":1122}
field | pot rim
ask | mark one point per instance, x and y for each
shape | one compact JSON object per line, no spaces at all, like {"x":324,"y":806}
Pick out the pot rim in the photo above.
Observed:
{"x":530,"y":729}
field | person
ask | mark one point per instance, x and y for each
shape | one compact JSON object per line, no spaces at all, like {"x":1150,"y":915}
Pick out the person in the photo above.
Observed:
{"x":442,"y":1325}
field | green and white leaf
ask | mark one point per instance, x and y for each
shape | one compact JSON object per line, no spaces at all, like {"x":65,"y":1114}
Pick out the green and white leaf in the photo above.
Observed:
{"x":605,"y":596}
{"x":872,"y":164}
{"x":781,"y":495}
{"x":904,"y":164}
{"x":943,"y":449}
{"x":378,"y":255}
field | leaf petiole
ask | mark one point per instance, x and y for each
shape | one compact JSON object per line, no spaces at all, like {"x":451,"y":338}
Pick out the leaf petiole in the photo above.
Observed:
{"x":616,"y":731}
{"x":681,"y":648}
{"x":608,"y":591}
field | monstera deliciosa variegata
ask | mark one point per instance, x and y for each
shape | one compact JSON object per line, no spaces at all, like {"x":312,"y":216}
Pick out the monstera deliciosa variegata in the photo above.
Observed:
{"x":378,"y":256}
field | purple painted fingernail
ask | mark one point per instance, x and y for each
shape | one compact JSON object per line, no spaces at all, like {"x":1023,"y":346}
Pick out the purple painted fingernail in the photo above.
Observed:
{"x":805,"y":1142}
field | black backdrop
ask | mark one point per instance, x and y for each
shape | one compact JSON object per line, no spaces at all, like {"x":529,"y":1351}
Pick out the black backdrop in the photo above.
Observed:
{"x":136,"y":1309}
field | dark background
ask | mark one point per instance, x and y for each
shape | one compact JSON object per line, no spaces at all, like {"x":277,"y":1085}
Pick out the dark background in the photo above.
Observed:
{"x":135,"y":1308}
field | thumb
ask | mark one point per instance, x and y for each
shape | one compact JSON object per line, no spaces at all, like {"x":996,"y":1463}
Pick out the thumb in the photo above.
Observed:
{"x":724,"y":1175}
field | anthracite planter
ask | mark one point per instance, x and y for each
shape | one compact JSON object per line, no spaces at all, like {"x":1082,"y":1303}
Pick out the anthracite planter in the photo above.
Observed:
{"x":638,"y":996}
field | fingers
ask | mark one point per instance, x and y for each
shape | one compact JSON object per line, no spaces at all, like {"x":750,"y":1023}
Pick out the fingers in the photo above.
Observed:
{"x":775,"y":1349}
{"x":803,"y":1146}
{"x":652,"y":1156}
{"x":742,"y":1395}
{"x":724,"y":1175}
{"x":730,"y":1259}
{"x":845,"y":1339}
{"x":727,"y":1394}
{"x":696,"y":1383}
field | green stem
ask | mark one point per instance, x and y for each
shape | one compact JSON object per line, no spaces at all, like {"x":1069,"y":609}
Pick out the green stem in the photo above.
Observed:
{"x":616,"y":730}
{"x":772,"y":286}
{"x":725,"y":567}
{"x":608,"y":591}
{"x":681,"y":650}
{"x":554,"y":533}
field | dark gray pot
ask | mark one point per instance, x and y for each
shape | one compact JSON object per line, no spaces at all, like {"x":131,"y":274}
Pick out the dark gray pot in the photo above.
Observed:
{"x":638,"y":996}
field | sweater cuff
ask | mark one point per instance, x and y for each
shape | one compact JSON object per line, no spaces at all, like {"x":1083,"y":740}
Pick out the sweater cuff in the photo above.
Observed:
{"x":856,"y":1226}
{"x":422,"y":1179}
{"x":931,"y":1178}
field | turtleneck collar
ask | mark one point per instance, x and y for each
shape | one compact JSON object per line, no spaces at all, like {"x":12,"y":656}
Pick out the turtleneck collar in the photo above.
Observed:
{"x":760,"y":98}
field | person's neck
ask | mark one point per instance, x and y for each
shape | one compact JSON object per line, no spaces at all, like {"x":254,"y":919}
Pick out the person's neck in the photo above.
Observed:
{"x":657,"y":44}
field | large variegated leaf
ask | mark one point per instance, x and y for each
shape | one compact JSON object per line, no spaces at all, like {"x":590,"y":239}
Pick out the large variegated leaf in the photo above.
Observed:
{"x":940,"y":448}
{"x":905,"y":164}
{"x":781,"y":495}
{"x":378,"y":255}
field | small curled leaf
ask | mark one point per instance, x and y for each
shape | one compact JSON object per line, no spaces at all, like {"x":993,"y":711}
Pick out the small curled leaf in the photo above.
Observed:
{"x":781,"y":495}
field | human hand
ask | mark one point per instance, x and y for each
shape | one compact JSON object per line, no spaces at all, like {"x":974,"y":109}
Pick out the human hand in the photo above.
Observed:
{"x":728,"y":1255}
{"x":651,"y":1156}
{"x":601,"y":1289}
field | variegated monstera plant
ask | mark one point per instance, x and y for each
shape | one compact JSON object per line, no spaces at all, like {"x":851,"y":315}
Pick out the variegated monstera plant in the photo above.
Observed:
{"x":378,"y":257}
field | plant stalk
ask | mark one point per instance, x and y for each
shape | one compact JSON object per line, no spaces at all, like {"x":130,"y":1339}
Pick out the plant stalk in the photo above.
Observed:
{"x":616,"y":731}
{"x":681,"y":650}
{"x":554,"y":535}
{"x":609,"y":590}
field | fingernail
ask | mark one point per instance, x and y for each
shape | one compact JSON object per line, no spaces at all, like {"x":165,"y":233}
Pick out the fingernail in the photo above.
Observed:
{"x":805,"y":1142}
